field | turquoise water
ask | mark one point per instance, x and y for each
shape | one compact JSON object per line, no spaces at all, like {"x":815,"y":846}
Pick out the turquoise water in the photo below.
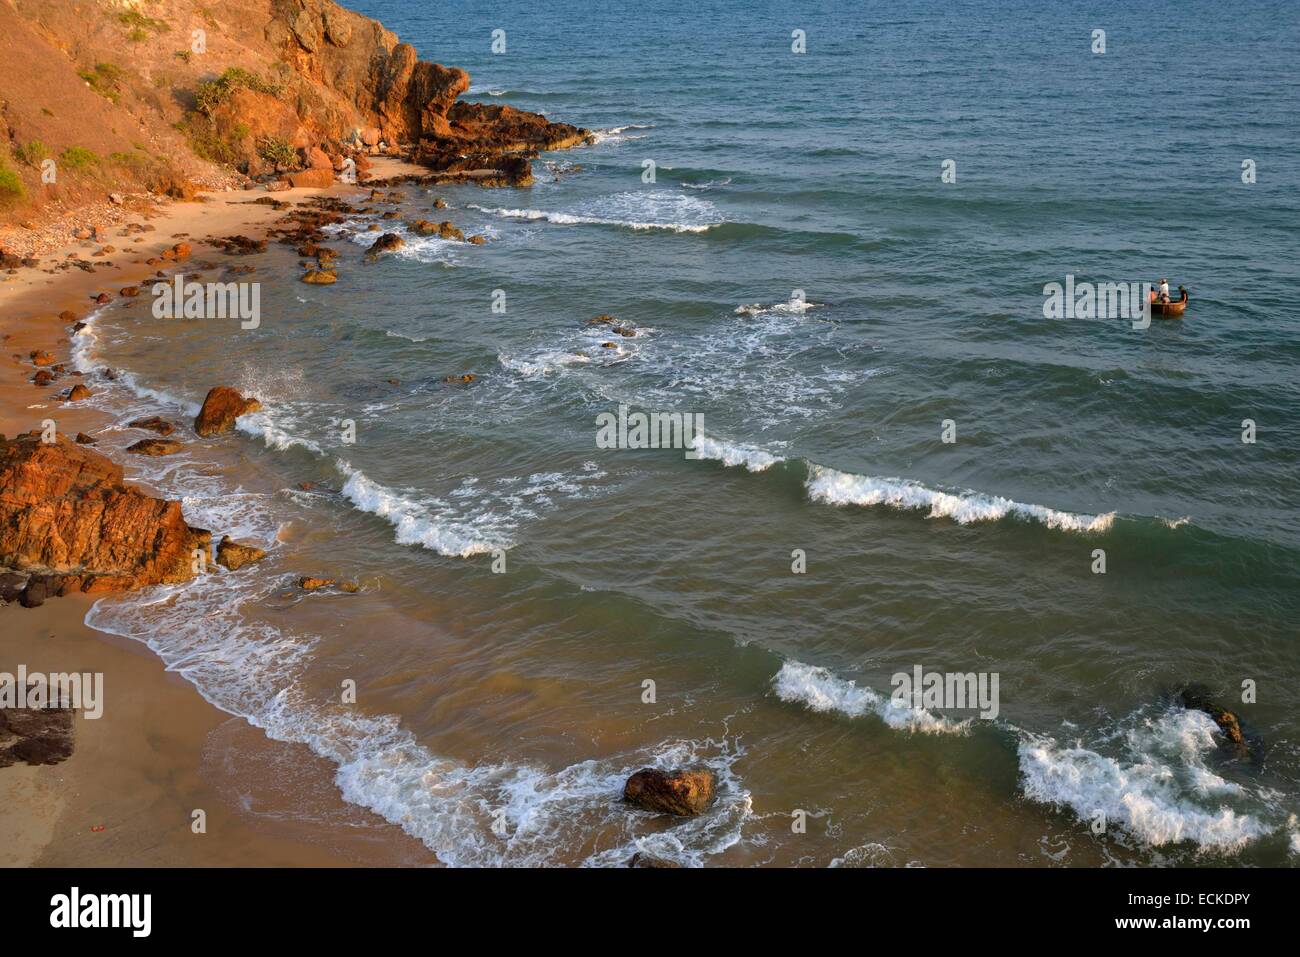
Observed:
{"x":519,"y":696}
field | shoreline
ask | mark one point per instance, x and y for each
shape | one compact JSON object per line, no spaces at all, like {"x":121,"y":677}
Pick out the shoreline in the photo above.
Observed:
{"x":156,"y":753}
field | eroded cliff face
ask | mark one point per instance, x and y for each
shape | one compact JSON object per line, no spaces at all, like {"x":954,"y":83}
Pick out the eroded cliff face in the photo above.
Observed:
{"x":67,"y":516}
{"x":353,"y":63}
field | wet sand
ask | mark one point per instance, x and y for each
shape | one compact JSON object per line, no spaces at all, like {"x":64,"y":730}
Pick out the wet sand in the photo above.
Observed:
{"x":128,"y":793}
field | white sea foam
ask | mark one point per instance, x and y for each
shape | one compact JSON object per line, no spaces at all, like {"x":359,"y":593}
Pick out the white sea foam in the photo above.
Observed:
{"x":401,"y":335}
{"x":658,"y":209}
{"x":819,"y":690}
{"x":732,"y":454}
{"x":541,"y":365}
{"x":865,"y":855}
{"x":1153,"y":794}
{"x":966,"y":507}
{"x":425,"y":249}
{"x":619,"y":134}
{"x":794,"y":307}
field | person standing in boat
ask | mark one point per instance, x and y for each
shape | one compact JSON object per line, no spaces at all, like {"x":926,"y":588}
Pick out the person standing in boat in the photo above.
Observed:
{"x":1162,"y":294}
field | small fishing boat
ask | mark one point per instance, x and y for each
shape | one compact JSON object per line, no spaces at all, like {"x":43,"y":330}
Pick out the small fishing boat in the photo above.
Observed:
{"x":1173,"y":309}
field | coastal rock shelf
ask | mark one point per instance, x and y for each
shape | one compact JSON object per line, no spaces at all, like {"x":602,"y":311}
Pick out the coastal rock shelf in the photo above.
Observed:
{"x":68,"y":519}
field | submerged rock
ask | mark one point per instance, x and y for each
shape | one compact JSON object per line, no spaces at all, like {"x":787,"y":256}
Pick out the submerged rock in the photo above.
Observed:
{"x":153,"y":423}
{"x":221,"y":407}
{"x":155,"y":447}
{"x":649,"y":860}
{"x":685,"y":792}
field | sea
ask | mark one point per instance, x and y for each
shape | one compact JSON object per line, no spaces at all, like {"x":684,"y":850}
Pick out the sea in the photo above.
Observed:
{"x":826,"y":232}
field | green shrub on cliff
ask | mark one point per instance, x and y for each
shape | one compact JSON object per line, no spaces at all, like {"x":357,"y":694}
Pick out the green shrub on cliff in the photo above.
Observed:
{"x":139,"y":25}
{"x":78,"y":158}
{"x":11,"y":185}
{"x":205,"y":141}
{"x":105,"y":79}
{"x":277,"y":152}
{"x":212,"y":93}
{"x":32,"y":153}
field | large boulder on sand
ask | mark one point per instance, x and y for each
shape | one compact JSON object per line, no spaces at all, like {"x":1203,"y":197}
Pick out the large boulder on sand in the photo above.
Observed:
{"x":683,"y":792}
{"x":316,"y":178}
{"x":66,"y":509}
{"x":221,"y":408}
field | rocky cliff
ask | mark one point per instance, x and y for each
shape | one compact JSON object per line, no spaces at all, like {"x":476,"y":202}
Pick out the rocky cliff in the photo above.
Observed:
{"x":165,"y":95}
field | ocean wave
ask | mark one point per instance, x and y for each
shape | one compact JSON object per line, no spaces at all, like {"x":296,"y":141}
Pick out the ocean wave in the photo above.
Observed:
{"x":819,"y":690}
{"x":419,"y":522}
{"x":1159,"y":790}
{"x":478,"y":520}
{"x":966,"y":507}
{"x":1163,"y":793}
{"x":654,"y":210}
{"x":732,"y":454}
{"x":401,"y":335}
{"x":708,"y":184}
{"x":618,"y":134}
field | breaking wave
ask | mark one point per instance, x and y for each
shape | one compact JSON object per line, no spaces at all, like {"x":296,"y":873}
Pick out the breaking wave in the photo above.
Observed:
{"x":657,"y":210}
{"x":819,"y":690}
{"x":966,"y":507}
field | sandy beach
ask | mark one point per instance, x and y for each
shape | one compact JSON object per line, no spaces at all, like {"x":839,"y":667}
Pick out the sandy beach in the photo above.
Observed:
{"x":150,"y":757}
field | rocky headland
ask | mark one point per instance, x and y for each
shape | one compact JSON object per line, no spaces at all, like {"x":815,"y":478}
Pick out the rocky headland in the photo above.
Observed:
{"x":125,"y":102}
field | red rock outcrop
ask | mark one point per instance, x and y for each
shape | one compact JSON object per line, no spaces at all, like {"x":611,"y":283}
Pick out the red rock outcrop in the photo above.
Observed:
{"x":65,"y":511}
{"x":222,"y":406}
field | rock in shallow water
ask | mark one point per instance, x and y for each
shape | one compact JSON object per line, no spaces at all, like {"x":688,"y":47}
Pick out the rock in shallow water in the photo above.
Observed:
{"x":683,"y":792}
{"x":235,"y":555}
{"x":222,"y":406}
{"x":155,"y":447}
